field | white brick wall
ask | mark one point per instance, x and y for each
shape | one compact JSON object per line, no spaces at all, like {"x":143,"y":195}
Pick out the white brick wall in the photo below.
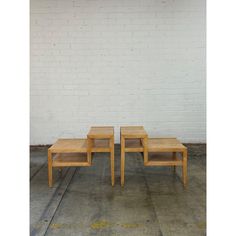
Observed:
{"x":117,"y":62}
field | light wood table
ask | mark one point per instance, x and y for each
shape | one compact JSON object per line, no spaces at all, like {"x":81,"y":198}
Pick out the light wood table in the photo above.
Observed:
{"x":167,"y":152}
{"x":101,"y":139}
{"x":133,"y":139}
{"x":66,"y":153}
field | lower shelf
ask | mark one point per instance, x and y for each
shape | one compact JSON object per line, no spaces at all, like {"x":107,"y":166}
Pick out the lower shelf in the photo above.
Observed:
{"x":70,"y":159}
{"x":163,"y":159}
{"x":133,"y":145}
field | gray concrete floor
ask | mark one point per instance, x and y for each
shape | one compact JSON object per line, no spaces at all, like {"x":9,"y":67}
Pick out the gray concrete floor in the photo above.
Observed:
{"x":153,"y":201}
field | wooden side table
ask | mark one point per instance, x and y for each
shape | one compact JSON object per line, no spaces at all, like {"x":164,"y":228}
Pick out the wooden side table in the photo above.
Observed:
{"x":133,"y":139}
{"x":65,"y":153}
{"x":101,"y":139}
{"x":158,"y":150}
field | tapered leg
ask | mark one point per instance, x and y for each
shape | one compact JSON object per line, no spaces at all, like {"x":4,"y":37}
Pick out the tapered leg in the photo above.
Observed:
{"x":112,"y":162}
{"x":145,"y":150}
{"x":174,"y":158}
{"x":122,"y":164}
{"x":184,"y":167}
{"x":49,"y":168}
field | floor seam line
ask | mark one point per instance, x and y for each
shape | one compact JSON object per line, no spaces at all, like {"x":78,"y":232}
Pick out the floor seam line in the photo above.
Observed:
{"x":37,"y":171}
{"x":149,"y":194}
{"x":35,"y":230}
{"x":60,"y":200}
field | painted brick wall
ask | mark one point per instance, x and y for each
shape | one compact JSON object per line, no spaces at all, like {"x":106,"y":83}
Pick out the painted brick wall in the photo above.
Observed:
{"x":110,"y":62}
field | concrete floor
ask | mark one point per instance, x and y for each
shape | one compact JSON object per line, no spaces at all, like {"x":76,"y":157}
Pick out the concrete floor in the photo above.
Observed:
{"x":153,"y":201}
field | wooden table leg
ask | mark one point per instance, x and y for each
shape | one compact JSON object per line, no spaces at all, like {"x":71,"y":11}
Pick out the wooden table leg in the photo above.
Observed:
{"x":184,"y":167}
{"x":89,"y":151}
{"x":145,"y":150}
{"x":49,"y":168}
{"x":112,"y":162}
{"x":174,"y":158}
{"x":122,"y":164}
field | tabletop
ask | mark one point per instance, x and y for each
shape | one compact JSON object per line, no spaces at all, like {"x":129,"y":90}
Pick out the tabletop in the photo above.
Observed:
{"x":69,"y":145}
{"x":101,"y":132}
{"x":165,"y":144}
{"x":133,"y":132}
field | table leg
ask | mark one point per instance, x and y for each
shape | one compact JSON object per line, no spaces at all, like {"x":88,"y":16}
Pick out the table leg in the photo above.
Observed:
{"x":145,"y":151}
{"x":49,"y":168}
{"x":89,"y":151}
{"x":184,"y":167}
{"x":174,"y":158}
{"x":112,"y":162}
{"x":122,"y":164}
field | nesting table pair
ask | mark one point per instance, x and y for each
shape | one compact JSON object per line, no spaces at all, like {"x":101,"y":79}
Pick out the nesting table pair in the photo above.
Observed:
{"x":155,"y":151}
